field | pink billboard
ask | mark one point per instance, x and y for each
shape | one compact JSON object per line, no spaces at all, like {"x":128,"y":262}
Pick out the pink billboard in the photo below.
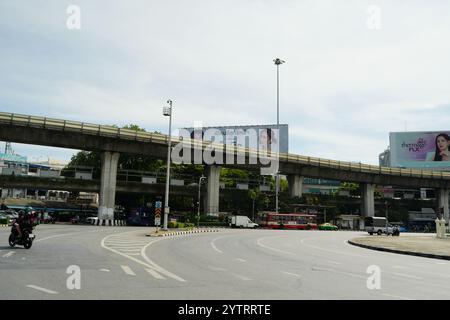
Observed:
{"x":420,"y":149}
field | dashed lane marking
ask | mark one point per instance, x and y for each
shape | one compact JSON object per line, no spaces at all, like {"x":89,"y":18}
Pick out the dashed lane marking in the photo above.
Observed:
{"x":217,"y":268}
{"x":241,"y":277}
{"x":42,"y":289}
{"x":407,"y":276}
{"x":291,"y":274}
{"x":214,"y":246}
{"x":9,"y":254}
{"x":395,"y":296}
{"x":155,"y":274}
{"x":258,"y":242}
{"x":128,"y":270}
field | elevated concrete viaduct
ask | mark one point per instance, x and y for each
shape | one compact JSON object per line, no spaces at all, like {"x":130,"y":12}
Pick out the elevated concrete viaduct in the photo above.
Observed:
{"x":112,"y":141}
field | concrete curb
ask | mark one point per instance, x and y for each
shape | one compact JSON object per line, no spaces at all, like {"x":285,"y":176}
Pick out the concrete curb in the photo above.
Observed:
{"x":410,"y":253}
{"x":179,"y":233}
{"x":107,"y":223}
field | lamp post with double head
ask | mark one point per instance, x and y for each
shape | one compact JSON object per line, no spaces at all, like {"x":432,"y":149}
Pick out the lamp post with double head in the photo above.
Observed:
{"x":167,"y":111}
{"x":278,"y":62}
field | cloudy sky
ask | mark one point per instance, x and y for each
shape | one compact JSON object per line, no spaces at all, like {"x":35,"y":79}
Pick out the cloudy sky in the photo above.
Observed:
{"x":355,"y":70}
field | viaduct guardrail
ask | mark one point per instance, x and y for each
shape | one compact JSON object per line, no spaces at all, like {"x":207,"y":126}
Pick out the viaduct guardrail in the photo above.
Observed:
{"x":78,"y":135}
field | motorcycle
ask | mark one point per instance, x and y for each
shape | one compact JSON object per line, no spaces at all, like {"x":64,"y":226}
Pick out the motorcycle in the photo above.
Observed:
{"x":27,"y":237}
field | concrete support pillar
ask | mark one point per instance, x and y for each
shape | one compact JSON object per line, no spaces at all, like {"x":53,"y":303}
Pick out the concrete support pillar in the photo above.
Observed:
{"x":368,"y":199}
{"x":295,"y":185}
{"x":442,"y":196}
{"x":108,"y":186}
{"x":212,"y":190}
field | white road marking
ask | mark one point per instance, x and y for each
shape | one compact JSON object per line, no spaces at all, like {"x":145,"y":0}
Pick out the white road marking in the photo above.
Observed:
{"x":71,"y":234}
{"x":104,"y":270}
{"x":126,"y":244}
{"x":407,"y":276}
{"x":41,"y":289}
{"x":338,"y":271}
{"x":240,"y":276}
{"x":258,"y":242}
{"x":292,"y":274}
{"x":241,"y":260}
{"x":395,"y":296}
{"x":217,"y":268}
{"x":9,"y":254}
{"x":155,"y":274}
{"x":442,"y":263}
{"x":333,"y":262}
{"x":150,"y":264}
{"x":214,"y":246}
{"x":156,"y":267}
{"x":128,"y":270}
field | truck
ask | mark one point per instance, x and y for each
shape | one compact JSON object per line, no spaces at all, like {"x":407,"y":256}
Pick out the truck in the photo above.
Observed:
{"x":380,"y":225}
{"x":242,"y":222}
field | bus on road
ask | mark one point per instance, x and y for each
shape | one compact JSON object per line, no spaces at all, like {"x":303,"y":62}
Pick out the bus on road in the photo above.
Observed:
{"x":274,"y":220}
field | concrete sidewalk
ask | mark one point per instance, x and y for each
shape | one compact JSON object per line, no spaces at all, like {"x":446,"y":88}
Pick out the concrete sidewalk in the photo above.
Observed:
{"x":424,"y":246}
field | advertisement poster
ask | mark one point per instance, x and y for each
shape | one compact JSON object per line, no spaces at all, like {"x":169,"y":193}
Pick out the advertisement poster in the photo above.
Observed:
{"x":422,"y":150}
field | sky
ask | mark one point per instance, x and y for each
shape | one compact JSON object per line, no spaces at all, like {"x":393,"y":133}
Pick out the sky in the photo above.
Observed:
{"x":355,"y":70}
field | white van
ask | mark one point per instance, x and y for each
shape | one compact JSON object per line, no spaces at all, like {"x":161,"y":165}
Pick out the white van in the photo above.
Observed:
{"x":380,"y":225}
{"x":242,"y":222}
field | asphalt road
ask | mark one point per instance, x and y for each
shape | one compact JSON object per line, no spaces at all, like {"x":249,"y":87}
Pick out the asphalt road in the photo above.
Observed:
{"x":121,"y":263}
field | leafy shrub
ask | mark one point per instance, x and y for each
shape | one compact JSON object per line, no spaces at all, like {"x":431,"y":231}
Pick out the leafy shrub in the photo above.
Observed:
{"x":172,"y":224}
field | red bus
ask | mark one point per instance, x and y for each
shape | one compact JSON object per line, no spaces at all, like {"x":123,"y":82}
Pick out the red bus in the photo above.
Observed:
{"x":274,"y":220}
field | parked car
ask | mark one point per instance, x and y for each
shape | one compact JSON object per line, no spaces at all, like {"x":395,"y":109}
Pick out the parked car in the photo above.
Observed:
{"x":327,"y":226}
{"x":380,"y":225}
{"x":5,"y":219}
{"x":91,"y":220}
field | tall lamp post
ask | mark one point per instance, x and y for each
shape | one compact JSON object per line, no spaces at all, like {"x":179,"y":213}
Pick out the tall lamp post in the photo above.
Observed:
{"x":278,"y":62}
{"x":198,"y":208}
{"x":167,"y":111}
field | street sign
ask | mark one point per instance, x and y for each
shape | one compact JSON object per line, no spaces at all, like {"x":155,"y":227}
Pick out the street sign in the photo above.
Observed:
{"x":157,"y":212}
{"x":158,"y":204}
{"x":157,"y":221}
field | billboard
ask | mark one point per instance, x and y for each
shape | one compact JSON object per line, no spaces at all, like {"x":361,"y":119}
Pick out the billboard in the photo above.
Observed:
{"x":423,"y":150}
{"x":241,"y":136}
{"x":12,"y":157}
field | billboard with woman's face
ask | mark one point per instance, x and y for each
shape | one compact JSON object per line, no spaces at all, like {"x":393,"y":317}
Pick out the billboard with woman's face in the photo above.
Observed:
{"x":420,"y":149}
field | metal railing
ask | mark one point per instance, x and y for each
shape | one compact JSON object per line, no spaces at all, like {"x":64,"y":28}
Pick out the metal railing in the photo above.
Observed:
{"x":127,"y":134}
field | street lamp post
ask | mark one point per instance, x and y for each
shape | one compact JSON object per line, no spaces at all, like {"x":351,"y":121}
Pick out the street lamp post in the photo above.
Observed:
{"x":167,"y":111}
{"x":278,"y":62}
{"x":387,"y":224}
{"x":198,"y":208}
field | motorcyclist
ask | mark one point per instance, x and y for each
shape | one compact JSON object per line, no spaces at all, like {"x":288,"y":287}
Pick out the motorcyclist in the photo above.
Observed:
{"x":22,"y":221}
{"x":19,"y":222}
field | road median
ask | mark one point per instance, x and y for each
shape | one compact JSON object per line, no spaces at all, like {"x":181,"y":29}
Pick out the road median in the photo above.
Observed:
{"x":179,"y":232}
{"x":422,"y":246}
